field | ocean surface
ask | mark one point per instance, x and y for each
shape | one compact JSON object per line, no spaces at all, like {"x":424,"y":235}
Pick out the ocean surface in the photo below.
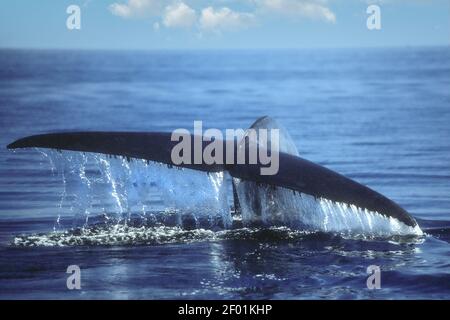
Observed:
{"x":144,"y":231}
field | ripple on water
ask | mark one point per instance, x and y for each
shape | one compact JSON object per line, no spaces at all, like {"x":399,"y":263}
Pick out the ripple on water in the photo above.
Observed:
{"x":123,"y":235}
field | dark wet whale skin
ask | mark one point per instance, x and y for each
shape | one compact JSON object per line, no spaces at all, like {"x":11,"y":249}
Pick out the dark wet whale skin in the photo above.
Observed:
{"x":294,"y":172}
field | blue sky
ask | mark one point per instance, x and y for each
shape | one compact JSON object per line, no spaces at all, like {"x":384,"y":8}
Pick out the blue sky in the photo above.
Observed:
{"x":202,"y":24}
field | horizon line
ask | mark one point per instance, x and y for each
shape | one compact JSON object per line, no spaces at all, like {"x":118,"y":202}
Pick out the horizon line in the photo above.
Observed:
{"x":226,"y":48}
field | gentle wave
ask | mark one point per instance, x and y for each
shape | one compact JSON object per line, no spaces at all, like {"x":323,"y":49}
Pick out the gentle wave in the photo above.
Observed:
{"x":123,"y":235}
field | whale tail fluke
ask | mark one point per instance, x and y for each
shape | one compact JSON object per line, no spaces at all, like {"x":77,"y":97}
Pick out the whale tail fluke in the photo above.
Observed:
{"x":294,"y":173}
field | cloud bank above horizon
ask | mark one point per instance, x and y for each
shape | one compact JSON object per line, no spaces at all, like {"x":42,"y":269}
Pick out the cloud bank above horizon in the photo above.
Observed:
{"x":218,"y":16}
{"x":223,"y":24}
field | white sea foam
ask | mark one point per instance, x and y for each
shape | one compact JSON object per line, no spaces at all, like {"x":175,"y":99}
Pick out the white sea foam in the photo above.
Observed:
{"x":112,"y":235}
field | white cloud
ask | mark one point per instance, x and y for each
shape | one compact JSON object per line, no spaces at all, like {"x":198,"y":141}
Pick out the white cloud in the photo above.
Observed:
{"x":305,"y":8}
{"x":120,"y":10}
{"x":224,"y":19}
{"x":135,"y":8}
{"x":179,"y":15}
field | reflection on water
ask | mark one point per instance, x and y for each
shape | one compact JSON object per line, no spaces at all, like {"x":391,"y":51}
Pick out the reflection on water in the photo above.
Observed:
{"x":258,"y":263}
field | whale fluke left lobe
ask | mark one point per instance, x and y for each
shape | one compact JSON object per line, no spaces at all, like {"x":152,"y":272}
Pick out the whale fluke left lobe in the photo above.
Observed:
{"x":152,"y":146}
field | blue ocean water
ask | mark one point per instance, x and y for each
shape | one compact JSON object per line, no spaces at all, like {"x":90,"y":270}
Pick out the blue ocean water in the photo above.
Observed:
{"x":379,"y":116}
